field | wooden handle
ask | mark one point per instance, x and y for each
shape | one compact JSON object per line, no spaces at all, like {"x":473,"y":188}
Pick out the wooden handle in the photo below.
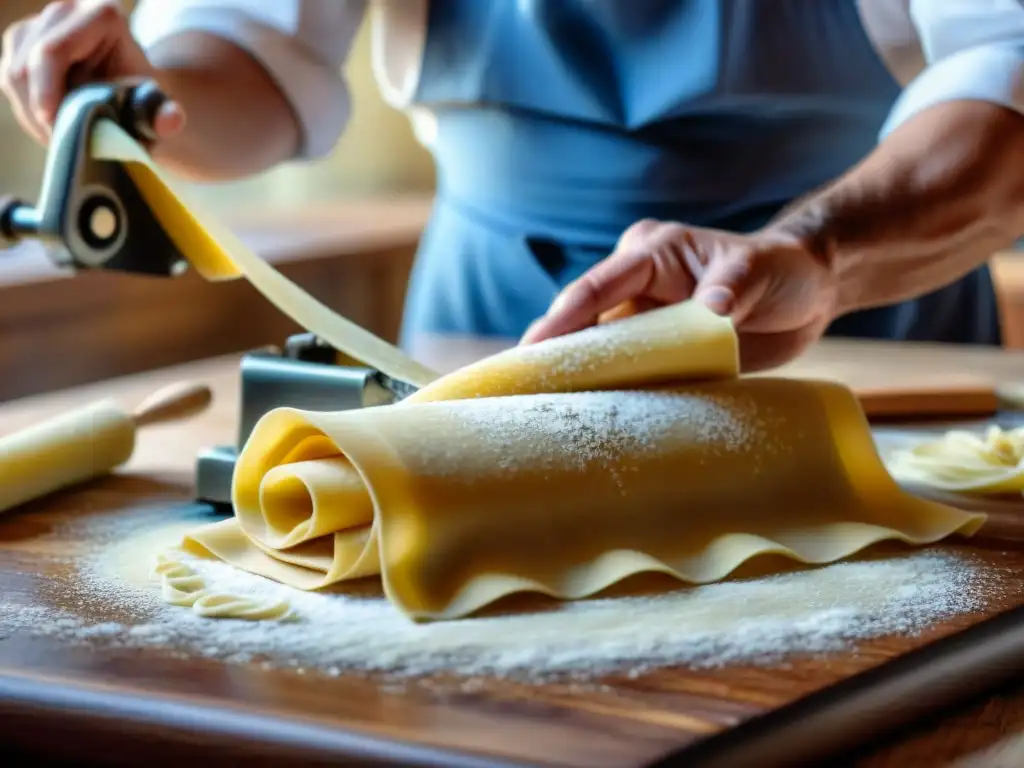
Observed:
{"x":922,"y":402}
{"x":173,"y":402}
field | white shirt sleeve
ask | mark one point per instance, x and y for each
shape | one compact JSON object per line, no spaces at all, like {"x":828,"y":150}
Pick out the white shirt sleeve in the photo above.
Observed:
{"x":974,"y":50}
{"x":302,"y":44}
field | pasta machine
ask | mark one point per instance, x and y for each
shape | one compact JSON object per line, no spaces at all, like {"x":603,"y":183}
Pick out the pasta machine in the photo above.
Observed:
{"x":304,"y":374}
{"x":85,"y":206}
{"x":90,"y":215}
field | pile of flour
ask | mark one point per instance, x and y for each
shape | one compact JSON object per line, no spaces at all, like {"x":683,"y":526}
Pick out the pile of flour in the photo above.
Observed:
{"x":755,"y":621}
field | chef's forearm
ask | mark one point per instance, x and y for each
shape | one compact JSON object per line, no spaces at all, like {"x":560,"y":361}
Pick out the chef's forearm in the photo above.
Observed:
{"x":933,"y":201}
{"x":238,"y":123}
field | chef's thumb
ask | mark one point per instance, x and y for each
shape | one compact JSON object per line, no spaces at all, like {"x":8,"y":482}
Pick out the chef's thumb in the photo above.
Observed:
{"x":169,"y":120}
{"x":732,"y":287}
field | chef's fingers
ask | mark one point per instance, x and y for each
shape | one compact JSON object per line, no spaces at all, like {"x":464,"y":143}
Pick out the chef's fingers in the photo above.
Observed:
{"x":14,"y":77}
{"x":83,"y":33}
{"x":654,"y":264}
{"x":618,"y":278}
{"x":169,"y":120}
{"x":635,"y":306}
{"x":733,"y":284}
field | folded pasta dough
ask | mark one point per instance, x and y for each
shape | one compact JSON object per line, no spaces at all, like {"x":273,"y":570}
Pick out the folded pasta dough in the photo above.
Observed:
{"x":562,"y":467}
{"x":565,"y":467}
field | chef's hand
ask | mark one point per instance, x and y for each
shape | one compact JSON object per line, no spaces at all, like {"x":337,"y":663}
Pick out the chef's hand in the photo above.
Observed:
{"x":71,"y":42}
{"x":780,"y":295}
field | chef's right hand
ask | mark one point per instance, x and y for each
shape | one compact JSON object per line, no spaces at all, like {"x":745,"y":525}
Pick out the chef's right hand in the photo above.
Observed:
{"x":67,"y":44}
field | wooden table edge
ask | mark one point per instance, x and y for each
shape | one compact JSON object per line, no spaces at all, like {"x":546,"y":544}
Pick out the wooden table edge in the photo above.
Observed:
{"x":54,"y":701}
{"x":860,"y":714}
{"x":163,"y":723}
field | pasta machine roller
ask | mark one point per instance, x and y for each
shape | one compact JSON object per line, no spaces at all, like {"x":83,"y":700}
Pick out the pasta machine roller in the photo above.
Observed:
{"x":90,"y":215}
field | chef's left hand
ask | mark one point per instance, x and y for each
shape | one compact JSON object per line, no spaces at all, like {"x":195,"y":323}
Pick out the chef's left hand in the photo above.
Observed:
{"x":779,"y":294}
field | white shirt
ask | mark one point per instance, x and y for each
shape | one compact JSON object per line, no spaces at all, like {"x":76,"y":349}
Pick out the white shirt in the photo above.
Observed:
{"x":940,"y":50}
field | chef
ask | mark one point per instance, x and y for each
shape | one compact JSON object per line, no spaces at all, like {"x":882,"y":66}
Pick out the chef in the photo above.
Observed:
{"x":804,"y":166}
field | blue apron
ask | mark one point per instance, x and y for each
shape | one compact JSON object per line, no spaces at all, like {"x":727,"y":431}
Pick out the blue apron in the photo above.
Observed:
{"x":562,"y":122}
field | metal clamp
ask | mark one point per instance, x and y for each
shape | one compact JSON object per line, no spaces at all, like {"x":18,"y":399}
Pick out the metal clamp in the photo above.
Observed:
{"x":303,"y":375}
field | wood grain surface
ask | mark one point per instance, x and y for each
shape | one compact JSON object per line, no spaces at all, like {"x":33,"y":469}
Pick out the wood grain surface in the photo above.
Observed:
{"x":125,"y":705}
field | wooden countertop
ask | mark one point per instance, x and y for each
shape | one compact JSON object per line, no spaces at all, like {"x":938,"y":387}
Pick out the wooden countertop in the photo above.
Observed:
{"x":137,"y":704}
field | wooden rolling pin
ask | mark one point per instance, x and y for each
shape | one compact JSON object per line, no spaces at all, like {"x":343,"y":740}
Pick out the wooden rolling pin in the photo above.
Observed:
{"x":968,"y":401}
{"x":956,"y":399}
{"x":85,"y":443}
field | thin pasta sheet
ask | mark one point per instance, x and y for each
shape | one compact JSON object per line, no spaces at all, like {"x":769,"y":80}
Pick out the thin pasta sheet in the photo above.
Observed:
{"x":561,"y":467}
{"x":965,"y":462}
{"x":217,"y":255}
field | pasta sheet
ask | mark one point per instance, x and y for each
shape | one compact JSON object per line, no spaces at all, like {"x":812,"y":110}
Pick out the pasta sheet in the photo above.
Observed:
{"x":561,"y":467}
{"x":217,"y":254}
{"x":964,"y":462}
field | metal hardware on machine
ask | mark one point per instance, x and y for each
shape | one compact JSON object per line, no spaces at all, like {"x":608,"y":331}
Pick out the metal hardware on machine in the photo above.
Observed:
{"x":90,"y":211}
{"x":94,"y":217}
{"x":304,"y":375}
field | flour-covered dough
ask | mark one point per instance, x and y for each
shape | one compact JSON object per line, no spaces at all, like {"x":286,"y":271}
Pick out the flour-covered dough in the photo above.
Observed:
{"x":180,"y":585}
{"x":562,"y":467}
{"x":641,"y":451}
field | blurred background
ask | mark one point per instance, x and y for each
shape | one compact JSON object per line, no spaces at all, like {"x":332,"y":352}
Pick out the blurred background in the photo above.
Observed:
{"x":345,"y":228}
{"x":377,"y":155}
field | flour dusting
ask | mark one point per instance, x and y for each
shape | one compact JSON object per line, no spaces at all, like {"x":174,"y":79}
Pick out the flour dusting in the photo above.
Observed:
{"x":598,"y":346}
{"x":577,"y":432}
{"x":756,"y":621}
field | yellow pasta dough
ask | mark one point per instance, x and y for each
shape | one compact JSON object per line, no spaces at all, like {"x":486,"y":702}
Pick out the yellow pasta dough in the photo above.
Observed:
{"x":965,"y":462}
{"x":562,"y":467}
{"x":180,"y":585}
{"x":217,"y":254}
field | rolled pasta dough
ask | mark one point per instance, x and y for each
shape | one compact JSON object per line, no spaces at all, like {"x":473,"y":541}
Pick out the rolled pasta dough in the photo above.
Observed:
{"x":561,"y":467}
{"x":640,"y":450}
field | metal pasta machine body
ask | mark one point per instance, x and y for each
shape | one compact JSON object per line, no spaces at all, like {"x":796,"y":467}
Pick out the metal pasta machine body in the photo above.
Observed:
{"x":91,"y":216}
